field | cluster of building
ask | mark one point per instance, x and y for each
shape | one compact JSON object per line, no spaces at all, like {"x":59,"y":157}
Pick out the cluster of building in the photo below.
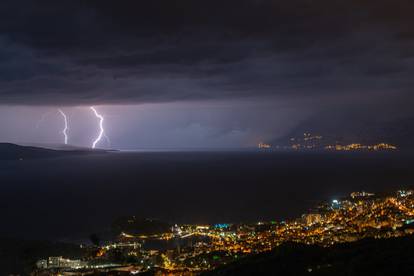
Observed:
{"x":356,"y":147}
{"x":60,"y":262}
{"x":317,"y":142}
{"x":64,"y":266}
{"x":362,"y":215}
{"x":307,"y":142}
{"x":264,"y":146}
{"x":190,"y":249}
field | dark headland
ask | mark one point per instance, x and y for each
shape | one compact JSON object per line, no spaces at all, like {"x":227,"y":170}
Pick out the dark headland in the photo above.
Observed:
{"x":9,"y":151}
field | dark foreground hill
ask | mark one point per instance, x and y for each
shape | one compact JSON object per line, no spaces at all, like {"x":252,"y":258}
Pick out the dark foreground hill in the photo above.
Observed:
{"x":10,"y":151}
{"x":18,"y":257}
{"x":366,"y":257}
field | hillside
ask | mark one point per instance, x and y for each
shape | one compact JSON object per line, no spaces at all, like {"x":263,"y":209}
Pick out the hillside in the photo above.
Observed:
{"x":19,"y":256}
{"x":366,"y":257}
{"x":349,"y":130}
{"x":10,"y":151}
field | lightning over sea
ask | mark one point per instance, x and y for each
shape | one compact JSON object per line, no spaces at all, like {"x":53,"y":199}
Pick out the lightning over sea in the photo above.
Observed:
{"x":101,"y":128}
{"x":65,"y":129}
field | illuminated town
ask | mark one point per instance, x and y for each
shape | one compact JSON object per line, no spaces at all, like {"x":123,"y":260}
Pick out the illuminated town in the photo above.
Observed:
{"x":191,"y":249}
{"x":264,"y":146}
{"x":316,"y":142}
{"x":353,"y":147}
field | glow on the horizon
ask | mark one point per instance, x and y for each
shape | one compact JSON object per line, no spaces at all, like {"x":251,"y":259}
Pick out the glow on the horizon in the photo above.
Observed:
{"x":101,"y":131}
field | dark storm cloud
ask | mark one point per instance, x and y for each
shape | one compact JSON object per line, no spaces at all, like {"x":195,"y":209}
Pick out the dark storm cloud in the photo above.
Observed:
{"x":79,"y":52}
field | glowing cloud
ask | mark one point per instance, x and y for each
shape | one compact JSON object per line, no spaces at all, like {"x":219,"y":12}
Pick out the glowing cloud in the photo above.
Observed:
{"x":42,"y":119}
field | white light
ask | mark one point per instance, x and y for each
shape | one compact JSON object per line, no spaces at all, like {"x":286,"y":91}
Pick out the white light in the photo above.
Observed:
{"x":101,"y":131}
{"x":64,"y":131}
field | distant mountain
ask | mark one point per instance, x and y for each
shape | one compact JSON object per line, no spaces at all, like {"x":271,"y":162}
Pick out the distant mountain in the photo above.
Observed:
{"x":61,"y":147}
{"x":353,"y":129}
{"x":10,"y":151}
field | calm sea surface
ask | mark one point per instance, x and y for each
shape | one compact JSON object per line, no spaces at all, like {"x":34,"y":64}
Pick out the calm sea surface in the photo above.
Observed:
{"x":74,"y":196}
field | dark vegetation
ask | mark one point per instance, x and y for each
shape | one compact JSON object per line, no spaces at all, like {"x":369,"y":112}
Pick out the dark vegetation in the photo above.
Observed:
{"x":19,"y":257}
{"x":139,"y":226}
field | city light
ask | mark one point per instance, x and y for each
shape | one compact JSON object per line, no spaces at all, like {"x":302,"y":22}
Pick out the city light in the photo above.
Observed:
{"x":361,"y":215}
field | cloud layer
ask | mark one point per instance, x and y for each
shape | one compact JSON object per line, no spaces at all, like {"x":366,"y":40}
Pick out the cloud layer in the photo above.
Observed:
{"x":123,"y":52}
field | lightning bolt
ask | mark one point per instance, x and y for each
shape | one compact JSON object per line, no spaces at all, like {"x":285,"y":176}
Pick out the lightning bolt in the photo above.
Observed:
{"x":64,"y":131}
{"x":101,"y":131}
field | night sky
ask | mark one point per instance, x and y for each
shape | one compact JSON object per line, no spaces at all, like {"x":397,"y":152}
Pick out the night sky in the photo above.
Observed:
{"x":186,"y":73}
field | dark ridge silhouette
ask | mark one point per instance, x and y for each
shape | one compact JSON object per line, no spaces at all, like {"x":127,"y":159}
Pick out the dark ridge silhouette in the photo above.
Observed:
{"x":139,"y":226}
{"x":19,"y":256}
{"x":10,"y":151}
